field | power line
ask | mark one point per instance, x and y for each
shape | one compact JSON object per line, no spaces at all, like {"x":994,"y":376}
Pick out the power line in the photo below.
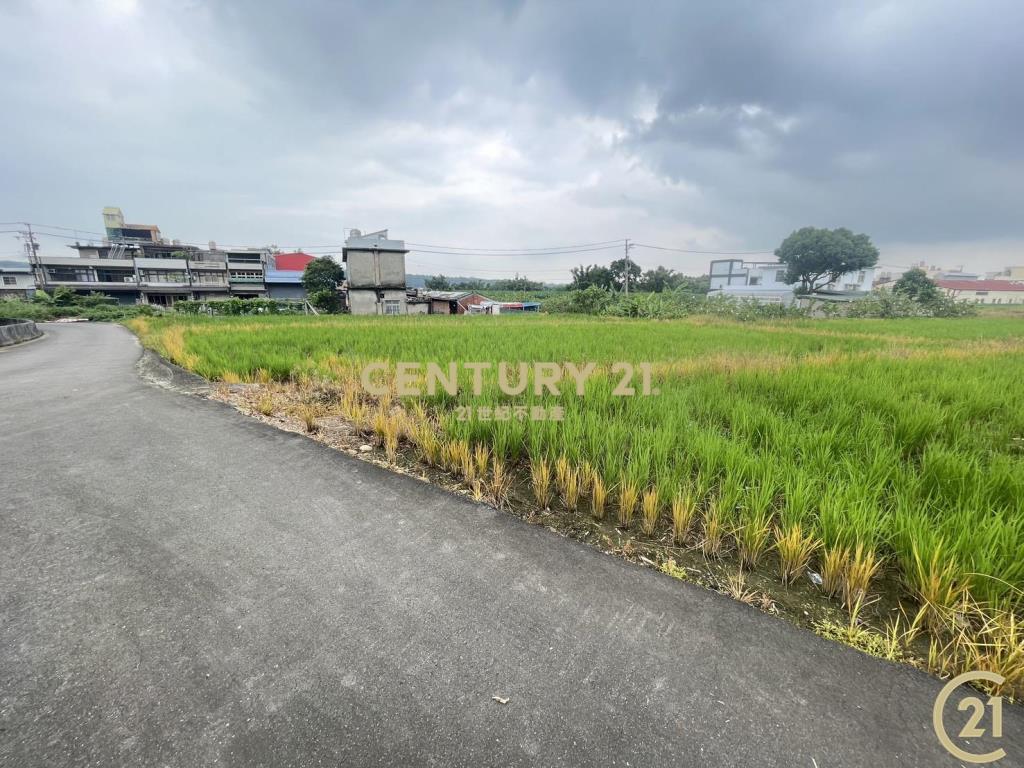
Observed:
{"x":519,"y":253}
{"x":447,"y":248}
{"x":496,"y":271}
{"x":705,"y":253}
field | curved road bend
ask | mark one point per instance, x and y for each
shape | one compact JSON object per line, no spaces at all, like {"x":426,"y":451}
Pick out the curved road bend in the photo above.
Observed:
{"x":183,"y":586}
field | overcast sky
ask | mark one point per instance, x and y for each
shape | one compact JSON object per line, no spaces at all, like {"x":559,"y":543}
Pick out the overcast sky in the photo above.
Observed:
{"x":700,"y":125}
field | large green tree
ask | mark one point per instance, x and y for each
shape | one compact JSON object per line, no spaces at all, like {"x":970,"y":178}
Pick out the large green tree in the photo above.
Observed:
{"x":438,"y":283}
{"x":321,"y":280}
{"x":620,"y":268}
{"x":815,"y":257}
{"x":915,"y":284}
{"x":584,"y":277}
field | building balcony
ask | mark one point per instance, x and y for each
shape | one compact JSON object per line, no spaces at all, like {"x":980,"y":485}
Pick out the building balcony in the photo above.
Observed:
{"x":159,"y":286}
{"x":94,"y":285}
{"x":255,"y":280}
{"x":210,"y":286}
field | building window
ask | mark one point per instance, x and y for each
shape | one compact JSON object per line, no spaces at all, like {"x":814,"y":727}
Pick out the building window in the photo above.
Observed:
{"x":981,"y":293}
{"x":208,"y":278}
{"x":9,"y":280}
{"x":162,"y":276}
{"x":392,"y":307}
{"x":754,"y":280}
{"x":114,"y":275}
{"x":69,"y":274}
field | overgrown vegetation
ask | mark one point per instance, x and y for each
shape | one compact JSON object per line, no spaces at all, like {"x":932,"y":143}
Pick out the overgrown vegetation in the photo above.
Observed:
{"x":864,"y":451}
{"x":66,"y":303}
{"x":236,"y":306}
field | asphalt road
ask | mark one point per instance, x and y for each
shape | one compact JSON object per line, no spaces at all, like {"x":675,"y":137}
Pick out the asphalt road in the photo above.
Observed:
{"x":183,"y":586}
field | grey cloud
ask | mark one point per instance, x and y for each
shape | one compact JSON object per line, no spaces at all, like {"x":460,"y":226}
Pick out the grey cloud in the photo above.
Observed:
{"x":518,"y":123}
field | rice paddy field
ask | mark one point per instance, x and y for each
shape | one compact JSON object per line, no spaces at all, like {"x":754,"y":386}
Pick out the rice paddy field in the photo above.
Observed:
{"x":853,"y":449}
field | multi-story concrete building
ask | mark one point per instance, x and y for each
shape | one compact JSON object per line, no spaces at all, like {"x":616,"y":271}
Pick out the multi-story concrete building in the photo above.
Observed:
{"x":375,"y":273}
{"x":135,"y":265}
{"x":766,"y":281}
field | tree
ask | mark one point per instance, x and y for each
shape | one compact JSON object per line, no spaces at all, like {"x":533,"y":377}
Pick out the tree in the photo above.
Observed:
{"x":915,"y":284}
{"x":584,"y":277}
{"x":815,"y":257}
{"x":659,"y":279}
{"x":696,"y":285}
{"x":438,"y":283}
{"x":321,"y":280}
{"x":618,"y":270}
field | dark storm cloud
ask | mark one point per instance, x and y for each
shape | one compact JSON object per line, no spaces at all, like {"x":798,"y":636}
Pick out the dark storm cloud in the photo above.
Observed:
{"x":700,"y":124}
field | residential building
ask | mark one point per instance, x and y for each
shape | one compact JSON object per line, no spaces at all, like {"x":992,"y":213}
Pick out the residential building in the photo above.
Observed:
{"x":246,"y":271}
{"x":135,"y":265}
{"x":1014,"y":274}
{"x":455,"y":302}
{"x":766,"y":281}
{"x":984,"y":291}
{"x":284,"y":275}
{"x":117,"y":230}
{"x":375,"y":273}
{"x":17,"y":282}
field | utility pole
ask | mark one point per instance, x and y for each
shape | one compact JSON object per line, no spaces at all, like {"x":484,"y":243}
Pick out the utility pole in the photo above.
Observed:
{"x":32,"y":252}
{"x":628,"y":246}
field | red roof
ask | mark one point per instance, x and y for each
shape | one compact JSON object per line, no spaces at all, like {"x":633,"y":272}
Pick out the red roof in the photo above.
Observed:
{"x":980,"y":285}
{"x":292,"y":262}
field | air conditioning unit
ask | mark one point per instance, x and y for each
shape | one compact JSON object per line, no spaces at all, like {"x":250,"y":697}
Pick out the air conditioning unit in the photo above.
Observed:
{"x":129,"y":279}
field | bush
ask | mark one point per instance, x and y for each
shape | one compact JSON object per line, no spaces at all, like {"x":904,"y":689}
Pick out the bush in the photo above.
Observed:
{"x":666,"y":305}
{"x":41,"y":310}
{"x":889,"y":304}
{"x":234,"y":306}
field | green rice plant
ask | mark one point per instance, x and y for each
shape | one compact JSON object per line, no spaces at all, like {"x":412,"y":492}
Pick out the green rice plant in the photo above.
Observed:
{"x":651,"y":510}
{"x":755,"y":521}
{"x":891,"y":435}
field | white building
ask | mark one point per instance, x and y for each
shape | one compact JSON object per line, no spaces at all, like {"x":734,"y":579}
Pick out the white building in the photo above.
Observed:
{"x":17,"y":282}
{"x":984,"y":291}
{"x":766,"y":281}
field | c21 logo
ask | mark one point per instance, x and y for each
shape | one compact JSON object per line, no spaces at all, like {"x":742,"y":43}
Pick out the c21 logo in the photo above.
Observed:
{"x":975,"y":727}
